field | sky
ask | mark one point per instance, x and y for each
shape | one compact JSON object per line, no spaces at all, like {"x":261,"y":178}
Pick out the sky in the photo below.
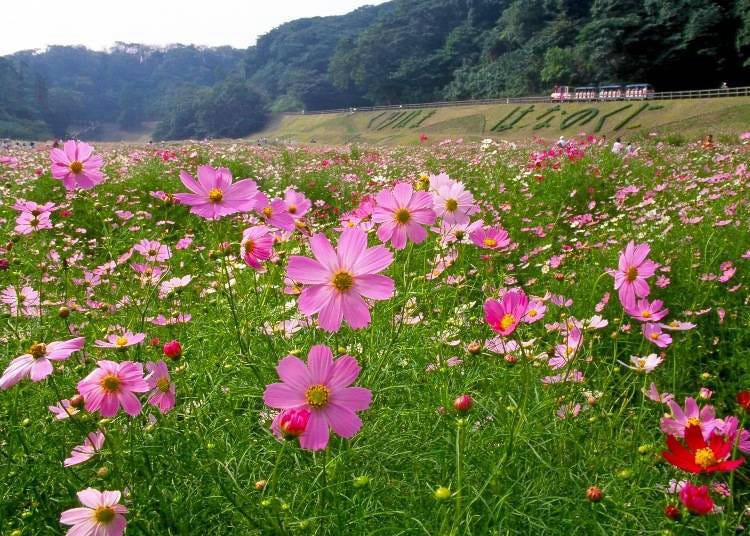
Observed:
{"x":98,"y":24}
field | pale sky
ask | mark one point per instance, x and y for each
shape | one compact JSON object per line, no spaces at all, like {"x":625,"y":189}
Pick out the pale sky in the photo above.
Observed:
{"x":97,"y":24}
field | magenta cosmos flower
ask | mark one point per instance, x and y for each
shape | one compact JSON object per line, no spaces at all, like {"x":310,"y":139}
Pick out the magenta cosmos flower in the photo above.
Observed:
{"x":28,"y":222}
{"x":76,"y":165}
{"x":503,"y":316}
{"x":101,"y":514}
{"x":652,"y":333}
{"x":336,"y":281}
{"x":274,"y":212}
{"x":631,"y":274}
{"x":90,"y":447}
{"x":213,"y":194}
{"x":402,"y":212}
{"x":153,"y":251}
{"x":36,"y":364}
{"x":256,"y":245}
{"x":646,"y":311}
{"x":112,"y":385}
{"x":490,"y":237}
{"x":162,"y":394}
{"x":120,"y":342}
{"x":322,"y":387}
{"x":296,"y":203}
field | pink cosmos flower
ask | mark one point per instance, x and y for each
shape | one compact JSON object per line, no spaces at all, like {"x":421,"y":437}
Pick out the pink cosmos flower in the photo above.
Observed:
{"x":645,"y":364}
{"x":646,"y":311}
{"x":101,"y":515}
{"x":170,"y":285}
{"x":632,"y":272}
{"x":402,"y":212}
{"x":256,"y":245}
{"x":112,"y":385}
{"x":25,"y":302}
{"x":36,"y":364}
{"x":296,"y":203}
{"x":322,"y":387}
{"x":64,"y":409}
{"x":336,"y":281}
{"x":453,"y":203}
{"x":692,"y":415}
{"x":28,"y":223}
{"x":213,"y":194}
{"x":567,"y":351}
{"x":32,"y":206}
{"x":652,"y":393}
{"x":82,"y":453}
{"x":153,"y":251}
{"x":76,"y":165}
{"x":121,"y":341}
{"x":162,"y":393}
{"x":494,"y":237}
{"x":503,"y":316}
{"x":534,"y":311}
{"x":274,"y":212}
{"x":653,"y":334}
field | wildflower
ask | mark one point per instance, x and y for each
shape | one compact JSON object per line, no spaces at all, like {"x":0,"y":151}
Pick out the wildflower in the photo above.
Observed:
{"x":453,"y":203}
{"x":534,"y":311}
{"x":112,"y":385}
{"x":653,"y":394}
{"x":296,"y":203}
{"x":256,"y":245}
{"x":162,"y":394}
{"x":463,"y":403}
{"x":494,"y":237}
{"x":696,"y":499}
{"x":28,"y":223}
{"x":653,"y":334}
{"x":503,"y":316}
{"x":82,"y":453}
{"x":633,"y":270}
{"x":66,"y":408}
{"x":645,"y":364}
{"x":213,"y":194}
{"x":337,"y":280}
{"x":567,"y":351}
{"x":274,"y":212}
{"x":101,"y":514}
{"x":672,"y":512}
{"x":76,"y":165}
{"x":23,"y":303}
{"x":743,"y":399}
{"x":122,"y":341}
{"x":646,"y":311}
{"x":402,"y":212}
{"x":692,"y":415}
{"x":153,"y":251}
{"x":36,"y":364}
{"x":700,"y":456}
{"x":322,"y":387}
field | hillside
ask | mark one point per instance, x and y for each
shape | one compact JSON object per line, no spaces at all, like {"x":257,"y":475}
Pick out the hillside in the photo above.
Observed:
{"x":694,"y":118}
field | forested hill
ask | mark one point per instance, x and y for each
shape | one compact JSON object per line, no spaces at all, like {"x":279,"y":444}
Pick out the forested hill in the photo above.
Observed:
{"x":398,"y":52}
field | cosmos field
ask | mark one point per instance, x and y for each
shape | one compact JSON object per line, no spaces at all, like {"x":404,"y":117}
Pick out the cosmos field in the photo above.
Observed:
{"x":445,"y":338}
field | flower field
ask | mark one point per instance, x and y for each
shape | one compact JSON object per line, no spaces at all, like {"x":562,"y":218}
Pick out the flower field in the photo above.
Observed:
{"x":483,"y":338}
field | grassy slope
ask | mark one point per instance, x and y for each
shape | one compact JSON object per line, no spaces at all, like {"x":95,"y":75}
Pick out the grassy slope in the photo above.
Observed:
{"x":693,"y":118}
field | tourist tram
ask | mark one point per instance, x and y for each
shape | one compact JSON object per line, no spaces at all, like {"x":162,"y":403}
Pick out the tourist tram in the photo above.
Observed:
{"x":602,"y":93}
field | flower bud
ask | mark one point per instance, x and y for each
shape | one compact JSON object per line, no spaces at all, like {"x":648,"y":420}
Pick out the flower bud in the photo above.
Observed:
{"x":594,"y":494}
{"x":4,"y":264}
{"x":63,"y":312}
{"x":102,"y":472}
{"x":672,"y":512}
{"x":172,"y":349}
{"x":743,"y":399}
{"x":442,"y":493}
{"x":260,"y":485}
{"x":474,"y":347}
{"x":76,"y":401}
{"x":293,"y":422}
{"x":361,"y":481}
{"x":463,"y":403}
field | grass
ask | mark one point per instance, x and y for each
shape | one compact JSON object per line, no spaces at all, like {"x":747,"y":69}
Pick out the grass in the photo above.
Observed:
{"x":522,"y":468}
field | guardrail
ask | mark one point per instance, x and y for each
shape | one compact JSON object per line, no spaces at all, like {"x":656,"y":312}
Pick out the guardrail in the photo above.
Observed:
{"x":663,"y":95}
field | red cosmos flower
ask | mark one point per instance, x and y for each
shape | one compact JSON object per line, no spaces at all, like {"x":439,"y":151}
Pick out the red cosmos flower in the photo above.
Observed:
{"x":743,"y":399}
{"x":696,"y":499}
{"x":699,"y":456}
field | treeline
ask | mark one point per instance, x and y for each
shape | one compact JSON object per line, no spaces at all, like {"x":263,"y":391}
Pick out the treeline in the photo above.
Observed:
{"x":398,"y":52}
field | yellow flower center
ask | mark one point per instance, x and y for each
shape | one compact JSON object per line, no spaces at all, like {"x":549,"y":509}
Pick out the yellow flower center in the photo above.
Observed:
{"x":705,"y":457}
{"x":490,"y":242}
{"x":121,"y":341}
{"x":654,"y":336}
{"x":646,"y":314}
{"x":215,"y":195}
{"x":694,"y":421}
{"x":104,"y":515}
{"x":38,"y":350}
{"x":267,"y":212}
{"x":343,"y":281}
{"x":531,"y":312}
{"x":292,"y":209}
{"x":451,"y":205}
{"x":641,"y":363}
{"x":162,"y":384}
{"x":569,"y":351}
{"x":507,"y":321}
{"x":110,"y":383}
{"x":76,"y":167}
{"x":402,"y":216}
{"x":631,"y":274}
{"x":317,"y":396}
